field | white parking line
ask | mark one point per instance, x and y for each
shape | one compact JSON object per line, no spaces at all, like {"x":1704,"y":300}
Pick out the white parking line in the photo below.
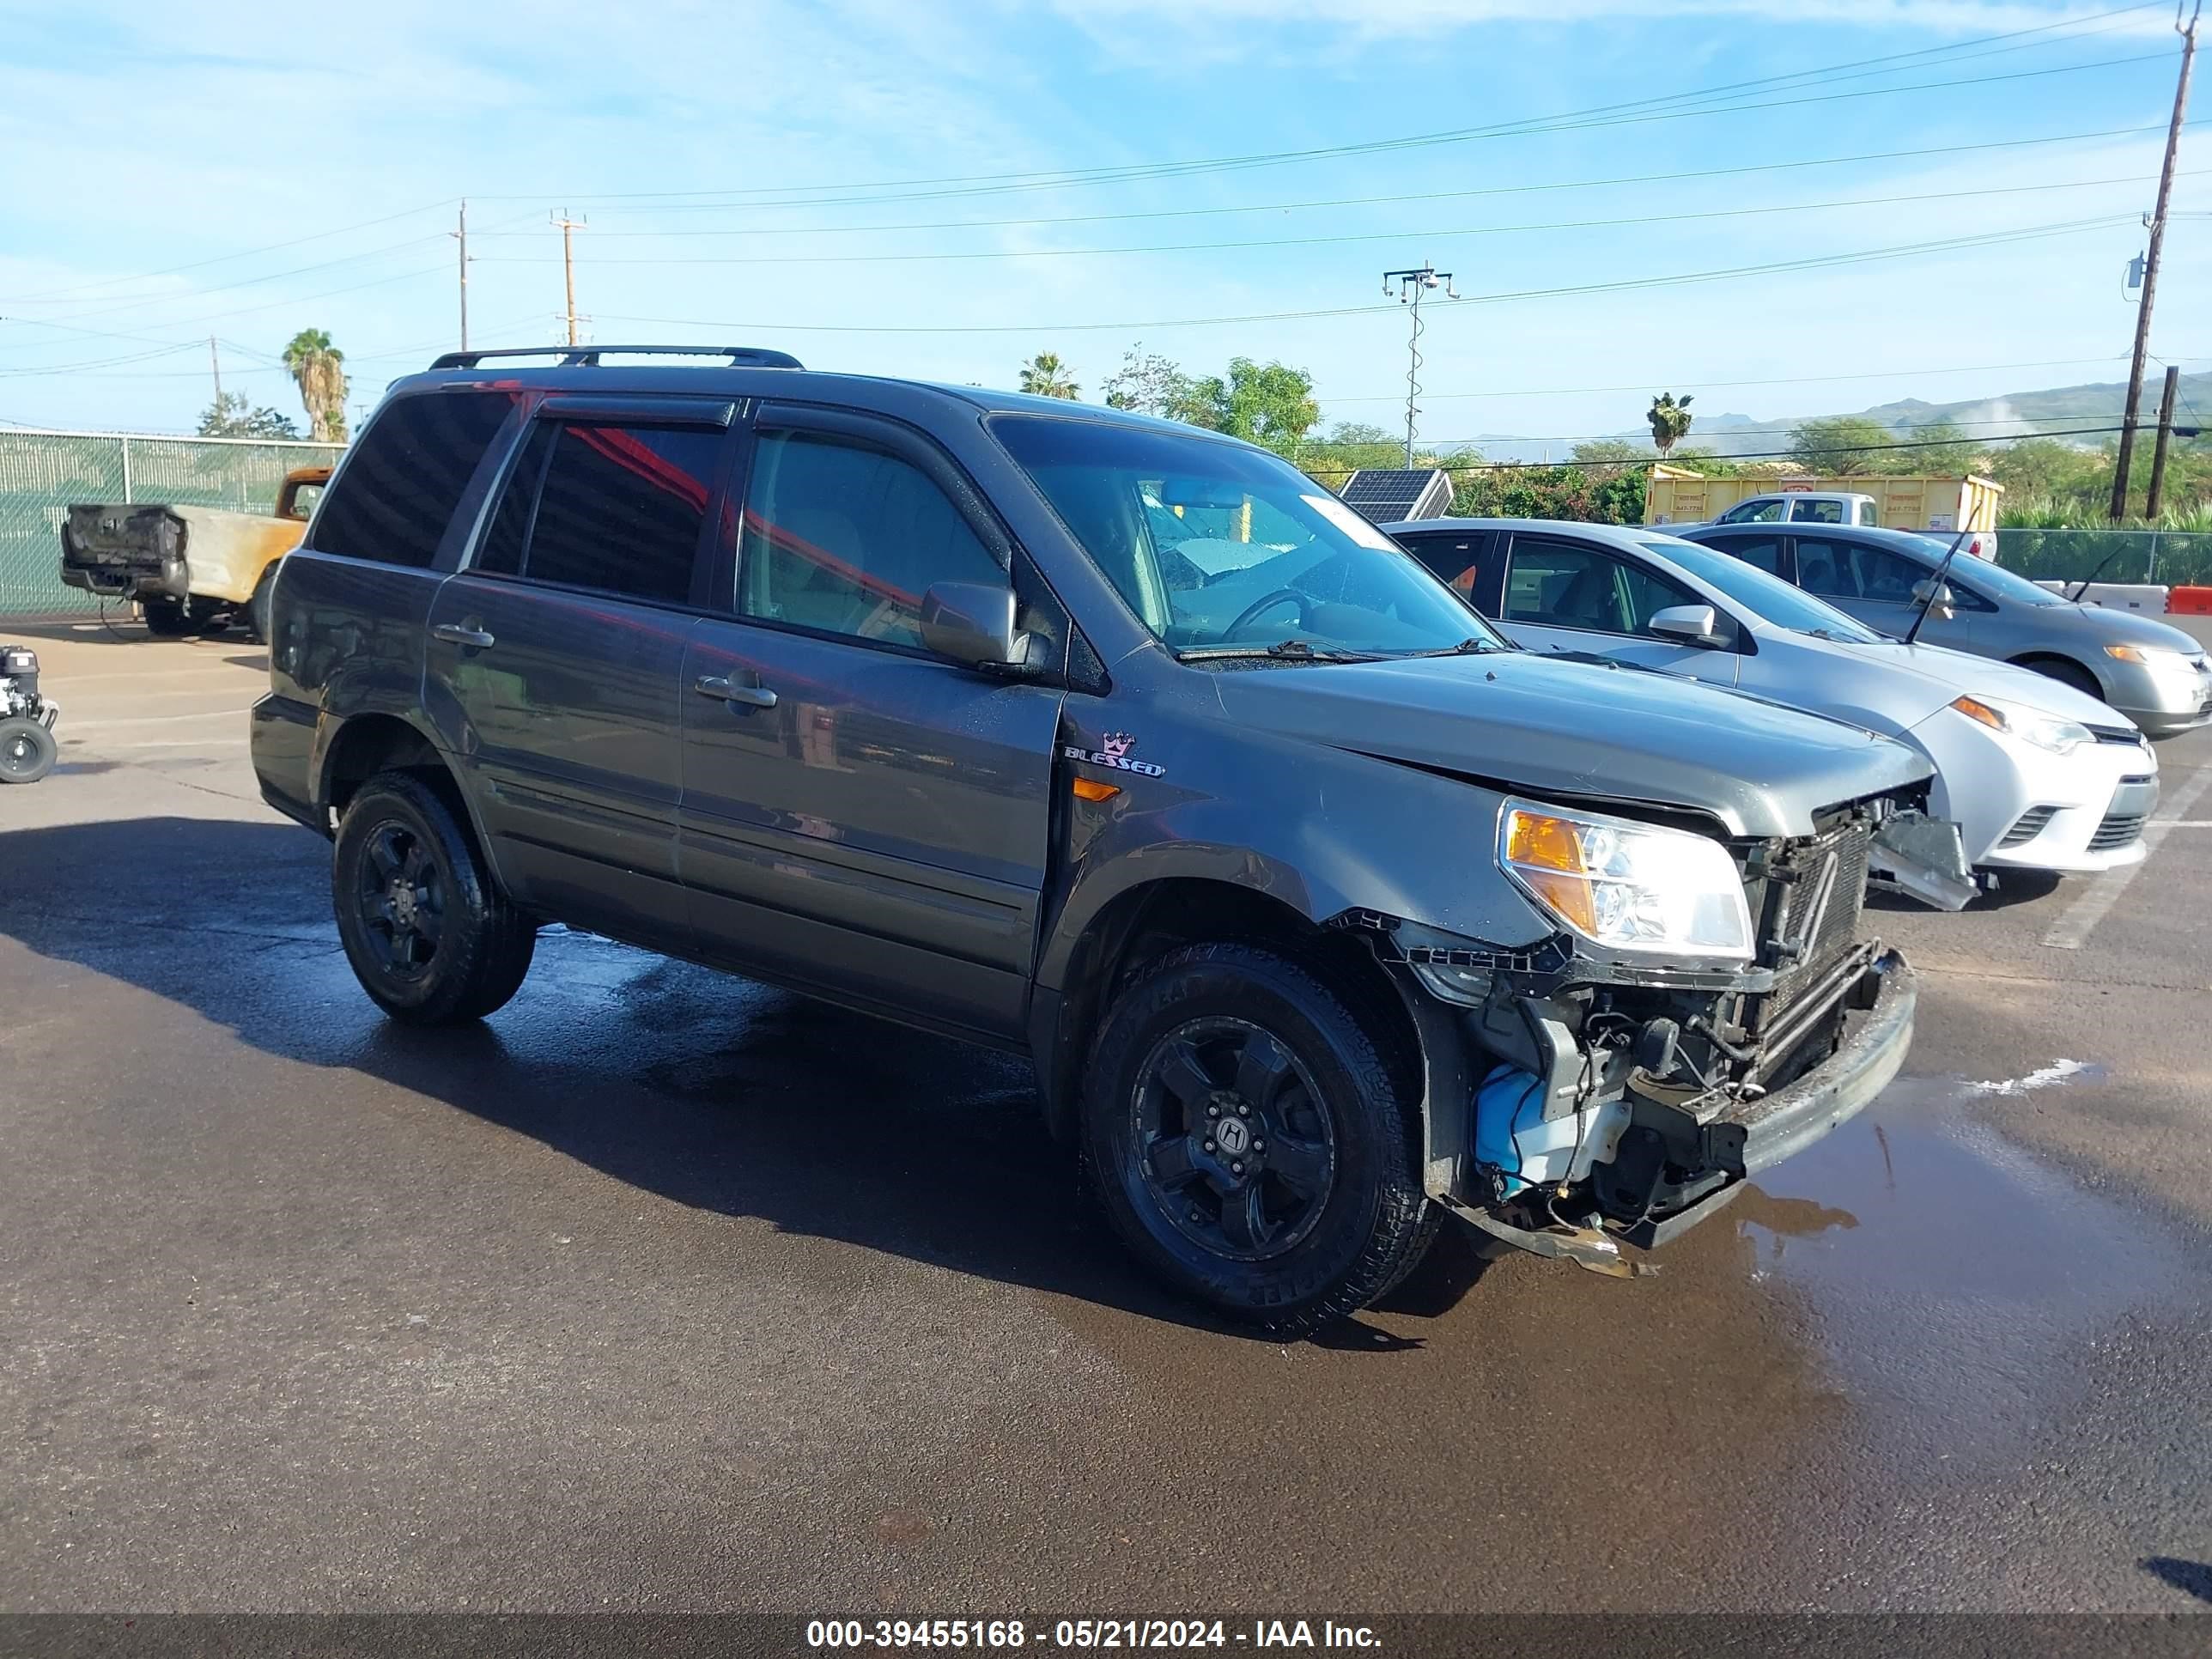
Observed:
{"x":2072,"y":930}
{"x":180,"y":743}
{"x":102,"y":723}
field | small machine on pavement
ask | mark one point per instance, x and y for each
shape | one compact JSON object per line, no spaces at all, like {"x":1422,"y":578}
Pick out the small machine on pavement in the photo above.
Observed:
{"x":27,"y":719}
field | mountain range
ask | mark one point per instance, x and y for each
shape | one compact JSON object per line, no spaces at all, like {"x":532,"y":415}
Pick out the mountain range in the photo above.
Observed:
{"x":2012,"y":414}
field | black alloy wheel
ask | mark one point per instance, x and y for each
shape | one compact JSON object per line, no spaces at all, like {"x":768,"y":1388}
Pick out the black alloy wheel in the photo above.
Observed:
{"x":1237,"y":1150}
{"x":1248,"y":1140}
{"x":399,"y":893}
{"x":426,"y":928}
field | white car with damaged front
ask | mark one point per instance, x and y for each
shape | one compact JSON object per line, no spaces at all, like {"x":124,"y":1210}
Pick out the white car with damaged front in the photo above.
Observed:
{"x":2036,"y":775}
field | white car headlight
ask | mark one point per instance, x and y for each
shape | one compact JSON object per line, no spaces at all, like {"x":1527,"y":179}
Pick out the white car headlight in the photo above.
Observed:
{"x":2044,"y":730}
{"x":1628,"y":885}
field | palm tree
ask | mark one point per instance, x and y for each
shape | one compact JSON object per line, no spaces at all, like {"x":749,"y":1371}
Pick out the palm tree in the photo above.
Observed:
{"x":1670,"y":420}
{"x":1048,"y":377}
{"x":318,"y":367}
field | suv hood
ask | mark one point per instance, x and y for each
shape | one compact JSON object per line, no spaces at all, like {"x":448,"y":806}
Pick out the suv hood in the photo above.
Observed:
{"x":1592,"y":733}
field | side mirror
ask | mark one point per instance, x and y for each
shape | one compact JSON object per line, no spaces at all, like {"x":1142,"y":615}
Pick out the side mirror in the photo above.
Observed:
{"x":973,"y":623}
{"x":1691,"y":624}
{"x":1945,"y":604}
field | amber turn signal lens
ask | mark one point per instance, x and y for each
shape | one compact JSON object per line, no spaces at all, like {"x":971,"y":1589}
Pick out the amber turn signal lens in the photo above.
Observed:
{"x":1544,"y":843}
{"x":1975,"y":709}
{"x":1091,"y":789}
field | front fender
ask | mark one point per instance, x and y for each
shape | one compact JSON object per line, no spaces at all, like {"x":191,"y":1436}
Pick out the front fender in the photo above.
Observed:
{"x":1323,"y":831}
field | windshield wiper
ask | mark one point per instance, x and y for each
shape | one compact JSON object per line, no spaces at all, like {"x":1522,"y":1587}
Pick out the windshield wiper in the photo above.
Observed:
{"x":1475,"y":646}
{"x":1282,"y":651}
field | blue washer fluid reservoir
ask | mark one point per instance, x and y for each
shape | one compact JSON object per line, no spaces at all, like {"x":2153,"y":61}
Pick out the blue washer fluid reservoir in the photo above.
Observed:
{"x":1512,"y":1137}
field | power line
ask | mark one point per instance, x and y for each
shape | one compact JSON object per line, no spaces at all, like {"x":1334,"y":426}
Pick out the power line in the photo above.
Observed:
{"x":1720,"y":386}
{"x":2131,"y":180}
{"x":1171,"y":170}
{"x":1342,"y":200}
{"x":1945,"y":245}
{"x":997,"y":183}
{"x":221,"y":258}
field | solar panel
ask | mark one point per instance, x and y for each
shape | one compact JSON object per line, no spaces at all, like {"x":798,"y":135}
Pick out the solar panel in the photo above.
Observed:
{"x":1385,"y":496}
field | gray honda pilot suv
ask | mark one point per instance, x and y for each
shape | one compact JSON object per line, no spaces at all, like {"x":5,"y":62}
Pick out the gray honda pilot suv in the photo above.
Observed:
{"x":1321,"y":910}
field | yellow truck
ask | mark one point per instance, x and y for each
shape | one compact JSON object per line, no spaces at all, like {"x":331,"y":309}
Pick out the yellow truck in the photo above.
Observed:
{"x":189,"y":568}
{"x":1937,"y":506}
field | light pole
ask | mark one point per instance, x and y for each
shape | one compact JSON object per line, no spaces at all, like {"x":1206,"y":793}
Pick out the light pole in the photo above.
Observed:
{"x":1412,"y":285}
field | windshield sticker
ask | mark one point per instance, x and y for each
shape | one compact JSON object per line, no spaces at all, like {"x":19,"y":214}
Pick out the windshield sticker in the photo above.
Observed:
{"x":1350,"y":523}
{"x":1113,"y":752}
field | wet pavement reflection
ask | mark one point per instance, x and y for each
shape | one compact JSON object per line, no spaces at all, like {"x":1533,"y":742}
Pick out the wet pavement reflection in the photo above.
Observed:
{"x":716,"y":1274}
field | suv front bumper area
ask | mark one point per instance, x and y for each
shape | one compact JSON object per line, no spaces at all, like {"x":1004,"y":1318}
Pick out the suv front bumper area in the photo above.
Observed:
{"x":1747,"y":1136}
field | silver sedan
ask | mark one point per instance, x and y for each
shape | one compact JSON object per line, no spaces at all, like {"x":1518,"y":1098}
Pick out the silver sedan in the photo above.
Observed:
{"x":2157,"y":676}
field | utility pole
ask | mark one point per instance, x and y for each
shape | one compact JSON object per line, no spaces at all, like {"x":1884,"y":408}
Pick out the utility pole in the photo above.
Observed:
{"x":568,"y":227}
{"x":1412,"y":285}
{"x":462,"y":235}
{"x":216,"y":364}
{"x":2188,"y":32}
{"x":2164,"y":431}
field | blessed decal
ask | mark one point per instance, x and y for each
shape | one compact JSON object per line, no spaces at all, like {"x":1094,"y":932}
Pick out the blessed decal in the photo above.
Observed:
{"x":1115,"y":753}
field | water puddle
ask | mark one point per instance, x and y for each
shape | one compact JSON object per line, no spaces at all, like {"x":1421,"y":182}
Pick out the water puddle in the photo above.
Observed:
{"x":1957,"y":1281}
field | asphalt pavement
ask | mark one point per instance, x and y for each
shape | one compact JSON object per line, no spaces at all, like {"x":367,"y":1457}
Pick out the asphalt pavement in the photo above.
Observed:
{"x":662,"y":1290}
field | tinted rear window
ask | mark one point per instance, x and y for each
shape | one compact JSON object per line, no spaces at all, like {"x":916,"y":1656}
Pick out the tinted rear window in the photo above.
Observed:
{"x":622,"y":508}
{"x":407,"y":474}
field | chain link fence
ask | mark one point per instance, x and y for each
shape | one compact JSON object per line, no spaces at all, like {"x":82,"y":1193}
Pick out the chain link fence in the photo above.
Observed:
{"x":41,"y":473}
{"x":2170,"y":557}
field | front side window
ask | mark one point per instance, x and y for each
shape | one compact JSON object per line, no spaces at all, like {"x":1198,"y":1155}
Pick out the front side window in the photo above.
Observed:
{"x":1225,"y":551}
{"x":1563,"y":584}
{"x":1837,"y":569}
{"x":1760,"y":552}
{"x":1751,"y":585}
{"x":847,"y":538}
{"x":1453,"y":559}
{"x":617,"y":509}
{"x":1759,"y":510}
{"x":407,"y":474}
{"x":1988,"y":582}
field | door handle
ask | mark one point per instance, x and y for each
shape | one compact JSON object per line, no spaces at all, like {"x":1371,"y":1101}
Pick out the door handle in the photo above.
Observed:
{"x":462,"y":633}
{"x":724,"y":689}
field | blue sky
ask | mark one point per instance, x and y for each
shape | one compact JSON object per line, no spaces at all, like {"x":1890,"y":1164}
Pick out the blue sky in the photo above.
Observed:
{"x":754,"y":172}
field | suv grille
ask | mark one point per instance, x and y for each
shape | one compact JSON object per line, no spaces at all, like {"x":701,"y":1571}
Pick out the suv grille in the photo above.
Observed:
{"x":2033,"y":823}
{"x":1819,"y":940}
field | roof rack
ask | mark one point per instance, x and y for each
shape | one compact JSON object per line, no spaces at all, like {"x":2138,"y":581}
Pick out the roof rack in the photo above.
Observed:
{"x":588,"y":356}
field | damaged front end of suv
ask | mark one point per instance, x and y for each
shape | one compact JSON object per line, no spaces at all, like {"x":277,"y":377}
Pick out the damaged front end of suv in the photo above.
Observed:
{"x":1705,"y":1008}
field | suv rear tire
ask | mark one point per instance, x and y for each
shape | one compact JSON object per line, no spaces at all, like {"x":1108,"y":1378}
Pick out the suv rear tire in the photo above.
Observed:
{"x":429,"y":933}
{"x":1249,"y":1143}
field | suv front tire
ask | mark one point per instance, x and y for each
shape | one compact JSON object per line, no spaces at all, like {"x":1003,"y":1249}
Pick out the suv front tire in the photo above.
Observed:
{"x":429,"y":933}
{"x":1248,"y":1142}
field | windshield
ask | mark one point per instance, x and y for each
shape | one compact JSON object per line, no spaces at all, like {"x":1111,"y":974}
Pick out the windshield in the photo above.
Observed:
{"x":1991,"y":581}
{"x":1764,"y":595}
{"x":1222,"y":550}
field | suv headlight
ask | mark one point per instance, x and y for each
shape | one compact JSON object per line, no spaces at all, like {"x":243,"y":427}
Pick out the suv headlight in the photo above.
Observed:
{"x":2044,"y":730}
{"x":1631,"y":886}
